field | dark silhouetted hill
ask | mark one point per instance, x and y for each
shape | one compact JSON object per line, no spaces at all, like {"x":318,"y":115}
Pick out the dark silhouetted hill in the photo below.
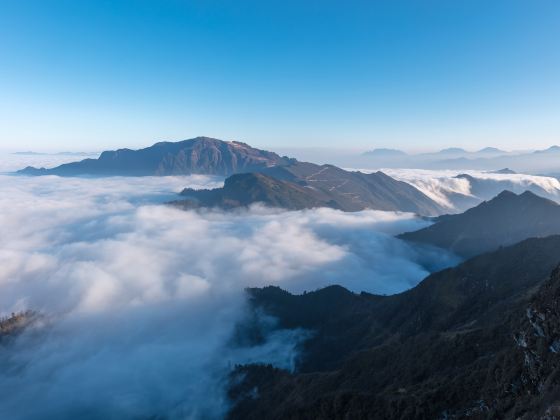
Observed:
{"x":506,"y":219}
{"x":480,"y":340}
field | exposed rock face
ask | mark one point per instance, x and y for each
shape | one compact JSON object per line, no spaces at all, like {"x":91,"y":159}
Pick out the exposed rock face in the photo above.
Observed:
{"x":304,"y":185}
{"x":481,"y":340}
{"x":506,"y":219}
{"x":201,"y":155}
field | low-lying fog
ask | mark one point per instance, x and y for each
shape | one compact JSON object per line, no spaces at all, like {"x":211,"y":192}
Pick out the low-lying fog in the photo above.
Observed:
{"x":140,"y":300}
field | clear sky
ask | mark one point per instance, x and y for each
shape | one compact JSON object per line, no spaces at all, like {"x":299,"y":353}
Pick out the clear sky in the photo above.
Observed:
{"x":91,"y":75}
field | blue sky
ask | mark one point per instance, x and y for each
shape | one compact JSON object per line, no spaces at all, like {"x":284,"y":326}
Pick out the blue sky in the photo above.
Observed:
{"x":91,"y":75}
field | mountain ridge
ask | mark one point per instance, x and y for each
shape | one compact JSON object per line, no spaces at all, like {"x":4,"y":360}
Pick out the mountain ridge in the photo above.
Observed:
{"x":506,"y":219}
{"x":470,"y":341}
{"x":200,"y":155}
{"x":300,"y":185}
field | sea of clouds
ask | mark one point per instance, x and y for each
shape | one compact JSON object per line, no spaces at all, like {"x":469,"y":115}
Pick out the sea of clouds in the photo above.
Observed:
{"x":459,"y":190}
{"x":140,"y":300}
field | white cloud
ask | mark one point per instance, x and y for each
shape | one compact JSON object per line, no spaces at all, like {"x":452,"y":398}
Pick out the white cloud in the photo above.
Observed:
{"x":142,"y":299}
{"x":459,"y":194}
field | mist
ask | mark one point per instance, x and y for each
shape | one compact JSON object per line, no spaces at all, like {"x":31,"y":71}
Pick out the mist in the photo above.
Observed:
{"x":139,"y":301}
{"x":460,"y":190}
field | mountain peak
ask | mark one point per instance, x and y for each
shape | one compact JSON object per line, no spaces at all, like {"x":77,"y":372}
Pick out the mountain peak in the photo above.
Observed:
{"x":504,"y":194}
{"x":504,"y":171}
{"x":490,"y":150}
{"x":551,"y":149}
{"x":452,"y":150}
{"x":384,"y":152}
{"x":200,"y":155}
{"x":506,"y":219}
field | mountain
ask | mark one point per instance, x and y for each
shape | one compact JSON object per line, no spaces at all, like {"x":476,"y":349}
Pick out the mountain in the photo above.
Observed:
{"x":201,"y":155}
{"x":354,"y":190}
{"x":453,"y":151}
{"x":242,"y":190}
{"x":486,"y":159}
{"x":504,"y":171}
{"x":540,"y":161}
{"x":480,"y":340}
{"x":388,"y":153}
{"x":491,"y":150}
{"x":506,"y":219}
{"x":304,"y":185}
{"x":551,"y":149}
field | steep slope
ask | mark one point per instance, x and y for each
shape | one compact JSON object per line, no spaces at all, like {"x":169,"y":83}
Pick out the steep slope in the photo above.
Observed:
{"x":330,"y":186}
{"x":357,"y":190}
{"x":479,"y":341}
{"x":201,"y":155}
{"x":506,"y":219}
{"x":242,"y":190}
{"x":325,"y":185}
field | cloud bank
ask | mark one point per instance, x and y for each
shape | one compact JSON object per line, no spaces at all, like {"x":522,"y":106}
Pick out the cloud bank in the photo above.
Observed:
{"x":460,"y":193}
{"x":141,"y":300}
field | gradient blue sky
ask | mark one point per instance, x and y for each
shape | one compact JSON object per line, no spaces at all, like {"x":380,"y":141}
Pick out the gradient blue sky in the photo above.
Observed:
{"x":91,"y":75}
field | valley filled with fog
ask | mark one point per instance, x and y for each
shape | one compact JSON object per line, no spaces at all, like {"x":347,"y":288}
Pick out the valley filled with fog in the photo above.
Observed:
{"x":139,"y":301}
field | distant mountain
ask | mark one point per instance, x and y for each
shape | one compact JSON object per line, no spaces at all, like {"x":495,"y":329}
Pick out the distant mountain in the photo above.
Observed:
{"x":304,"y":185}
{"x":551,"y":149}
{"x":453,"y":151}
{"x":540,"y":161}
{"x":388,"y":153}
{"x":491,"y":150}
{"x":486,"y":159}
{"x":506,"y":219}
{"x":449,"y":158}
{"x":504,"y":171}
{"x":201,"y":155}
{"x":480,"y":340}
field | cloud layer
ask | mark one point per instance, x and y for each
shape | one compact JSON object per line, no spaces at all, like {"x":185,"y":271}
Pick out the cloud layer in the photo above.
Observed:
{"x":141,"y":300}
{"x":459,"y":194}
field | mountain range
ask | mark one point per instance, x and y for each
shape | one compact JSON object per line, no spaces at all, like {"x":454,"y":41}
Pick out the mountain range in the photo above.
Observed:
{"x":201,"y":155}
{"x":269,"y":178}
{"x":480,"y":340}
{"x":299,"y":185}
{"x":506,"y":219}
{"x":442,"y":154}
{"x":487,"y":159}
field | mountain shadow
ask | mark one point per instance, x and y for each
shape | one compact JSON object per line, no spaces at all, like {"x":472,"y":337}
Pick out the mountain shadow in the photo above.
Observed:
{"x":506,"y":219}
{"x":480,"y":340}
